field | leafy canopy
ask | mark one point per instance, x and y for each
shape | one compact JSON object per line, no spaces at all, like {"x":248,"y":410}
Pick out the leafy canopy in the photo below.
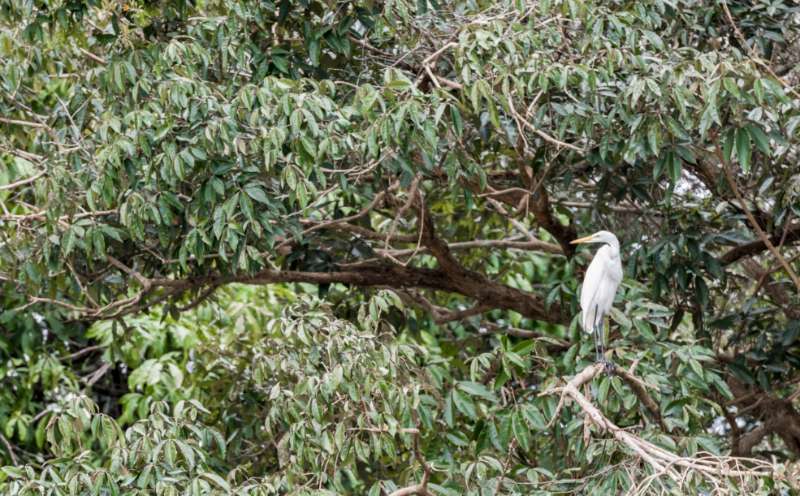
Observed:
{"x":400,"y":181}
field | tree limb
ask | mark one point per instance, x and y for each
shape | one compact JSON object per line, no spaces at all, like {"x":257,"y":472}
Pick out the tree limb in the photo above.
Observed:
{"x":484,"y":291}
{"x":22,"y":182}
{"x":661,"y":460}
{"x":756,"y":247}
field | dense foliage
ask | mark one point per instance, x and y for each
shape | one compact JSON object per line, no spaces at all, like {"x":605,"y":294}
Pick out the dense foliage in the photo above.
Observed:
{"x":297,"y":247}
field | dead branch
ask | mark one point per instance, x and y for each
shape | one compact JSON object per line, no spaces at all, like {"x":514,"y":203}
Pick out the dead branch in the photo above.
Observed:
{"x":539,"y":132}
{"x":10,"y":449}
{"x":22,"y":182}
{"x":17,"y":122}
{"x":663,"y":462}
{"x":408,"y":491}
{"x":92,"y":56}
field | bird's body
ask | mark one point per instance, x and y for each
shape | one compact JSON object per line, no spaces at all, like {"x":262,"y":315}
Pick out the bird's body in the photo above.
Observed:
{"x":600,"y":283}
{"x":599,"y":287}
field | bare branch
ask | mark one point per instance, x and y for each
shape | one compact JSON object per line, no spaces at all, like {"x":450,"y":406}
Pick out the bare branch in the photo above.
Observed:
{"x":10,"y":449}
{"x":513,"y":243}
{"x":22,"y":182}
{"x":92,"y":56}
{"x":539,"y":132}
{"x":17,"y":122}
{"x":662,"y":461}
{"x":82,"y":352}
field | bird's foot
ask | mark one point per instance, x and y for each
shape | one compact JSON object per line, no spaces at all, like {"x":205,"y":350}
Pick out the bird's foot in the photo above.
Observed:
{"x":608,"y":365}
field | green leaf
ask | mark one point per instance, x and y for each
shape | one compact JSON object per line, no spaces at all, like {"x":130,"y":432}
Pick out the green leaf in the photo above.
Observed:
{"x":728,"y":142}
{"x":448,"y":411}
{"x":216,"y":479}
{"x":477,"y":389}
{"x":760,"y":138}
{"x":654,"y":136}
{"x":464,"y":404}
{"x":675,"y":167}
{"x":743,"y":151}
{"x":255,"y":192}
{"x":701,"y":291}
{"x":696,"y":367}
{"x":708,"y":117}
{"x":458,"y":124}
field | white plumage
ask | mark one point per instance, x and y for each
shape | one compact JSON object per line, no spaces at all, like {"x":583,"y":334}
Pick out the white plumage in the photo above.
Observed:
{"x":600,"y":283}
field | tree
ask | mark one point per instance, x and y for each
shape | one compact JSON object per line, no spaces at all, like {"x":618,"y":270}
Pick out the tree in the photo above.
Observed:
{"x":420,"y":168}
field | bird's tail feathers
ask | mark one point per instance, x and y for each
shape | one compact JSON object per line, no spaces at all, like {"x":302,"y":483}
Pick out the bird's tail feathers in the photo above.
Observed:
{"x":591,"y":319}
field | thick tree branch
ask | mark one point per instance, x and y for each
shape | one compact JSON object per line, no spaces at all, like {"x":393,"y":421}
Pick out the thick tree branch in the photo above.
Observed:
{"x":759,"y":246}
{"x":777,"y":292}
{"x":485,"y":292}
{"x":777,"y":414}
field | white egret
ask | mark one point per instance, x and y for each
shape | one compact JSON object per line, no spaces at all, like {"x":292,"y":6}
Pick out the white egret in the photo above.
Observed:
{"x":600,"y":286}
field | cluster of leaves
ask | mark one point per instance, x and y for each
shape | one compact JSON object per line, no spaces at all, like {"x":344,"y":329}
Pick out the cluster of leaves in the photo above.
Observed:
{"x":282,"y":396}
{"x":199,"y":141}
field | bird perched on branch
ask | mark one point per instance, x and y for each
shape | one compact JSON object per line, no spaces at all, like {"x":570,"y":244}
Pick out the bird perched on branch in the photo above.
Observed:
{"x":600,"y":286}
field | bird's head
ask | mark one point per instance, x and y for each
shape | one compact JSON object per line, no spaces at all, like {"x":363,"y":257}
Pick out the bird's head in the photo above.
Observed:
{"x":604,"y":237}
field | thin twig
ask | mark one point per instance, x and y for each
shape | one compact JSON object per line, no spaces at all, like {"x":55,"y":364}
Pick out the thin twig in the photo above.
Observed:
{"x":22,"y":182}
{"x":92,"y":56}
{"x":17,"y":122}
{"x":10,"y":449}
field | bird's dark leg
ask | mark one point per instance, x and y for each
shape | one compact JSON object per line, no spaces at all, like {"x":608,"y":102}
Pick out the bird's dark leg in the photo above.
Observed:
{"x":599,"y":338}
{"x":597,"y":354}
{"x":609,"y":366}
{"x":598,"y":341}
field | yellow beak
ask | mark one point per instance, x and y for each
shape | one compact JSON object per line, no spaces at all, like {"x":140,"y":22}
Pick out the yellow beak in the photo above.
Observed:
{"x":587,"y":239}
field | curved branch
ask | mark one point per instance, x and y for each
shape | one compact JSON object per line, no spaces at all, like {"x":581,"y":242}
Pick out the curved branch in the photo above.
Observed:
{"x":662,"y":461}
{"x":759,"y":246}
{"x":486,"y":293}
